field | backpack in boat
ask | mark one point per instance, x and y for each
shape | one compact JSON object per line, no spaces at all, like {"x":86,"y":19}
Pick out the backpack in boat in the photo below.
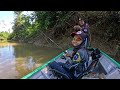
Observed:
{"x":95,"y":54}
{"x":95,"y":58}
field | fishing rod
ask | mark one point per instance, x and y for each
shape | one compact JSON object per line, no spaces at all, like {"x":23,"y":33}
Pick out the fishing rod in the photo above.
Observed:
{"x":65,"y":51}
{"x":51,"y":40}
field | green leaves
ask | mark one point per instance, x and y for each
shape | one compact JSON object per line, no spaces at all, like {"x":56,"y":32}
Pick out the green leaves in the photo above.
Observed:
{"x":23,"y":27}
{"x":4,"y":35}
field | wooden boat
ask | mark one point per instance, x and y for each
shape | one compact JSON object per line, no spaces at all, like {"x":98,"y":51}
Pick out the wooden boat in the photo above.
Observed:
{"x":106,"y":68}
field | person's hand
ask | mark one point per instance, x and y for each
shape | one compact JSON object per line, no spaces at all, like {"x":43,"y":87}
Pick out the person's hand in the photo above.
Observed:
{"x":67,"y":55}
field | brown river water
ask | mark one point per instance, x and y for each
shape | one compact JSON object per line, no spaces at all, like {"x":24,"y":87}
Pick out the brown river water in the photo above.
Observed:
{"x":17,"y":60}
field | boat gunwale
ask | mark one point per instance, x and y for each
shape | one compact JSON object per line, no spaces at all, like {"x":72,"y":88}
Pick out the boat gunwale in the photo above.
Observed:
{"x":111,"y":59}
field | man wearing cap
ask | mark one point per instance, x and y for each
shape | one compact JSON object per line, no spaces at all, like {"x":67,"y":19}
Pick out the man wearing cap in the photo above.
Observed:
{"x":79,"y":55}
{"x":85,"y":28}
{"x":83,"y":25}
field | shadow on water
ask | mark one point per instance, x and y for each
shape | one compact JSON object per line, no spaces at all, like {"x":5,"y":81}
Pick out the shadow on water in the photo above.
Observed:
{"x":16,"y":60}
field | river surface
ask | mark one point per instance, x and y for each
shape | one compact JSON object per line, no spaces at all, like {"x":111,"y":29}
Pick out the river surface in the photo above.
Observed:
{"x":17,"y":60}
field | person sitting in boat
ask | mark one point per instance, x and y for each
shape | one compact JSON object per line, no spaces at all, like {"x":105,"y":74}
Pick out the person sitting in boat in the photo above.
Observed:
{"x":78,"y":28}
{"x":85,"y":29}
{"x":79,"y":55}
{"x":84,"y":25}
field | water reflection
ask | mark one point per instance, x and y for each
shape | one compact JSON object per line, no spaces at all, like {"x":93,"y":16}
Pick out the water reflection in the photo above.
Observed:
{"x":30,"y":63}
{"x":16,"y":60}
{"x":7,"y":62}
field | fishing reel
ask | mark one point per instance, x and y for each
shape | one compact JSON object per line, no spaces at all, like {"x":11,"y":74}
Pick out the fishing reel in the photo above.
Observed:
{"x":63,"y":56}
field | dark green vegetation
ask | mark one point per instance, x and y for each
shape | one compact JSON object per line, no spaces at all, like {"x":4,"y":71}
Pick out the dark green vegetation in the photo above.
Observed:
{"x":104,"y":28}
